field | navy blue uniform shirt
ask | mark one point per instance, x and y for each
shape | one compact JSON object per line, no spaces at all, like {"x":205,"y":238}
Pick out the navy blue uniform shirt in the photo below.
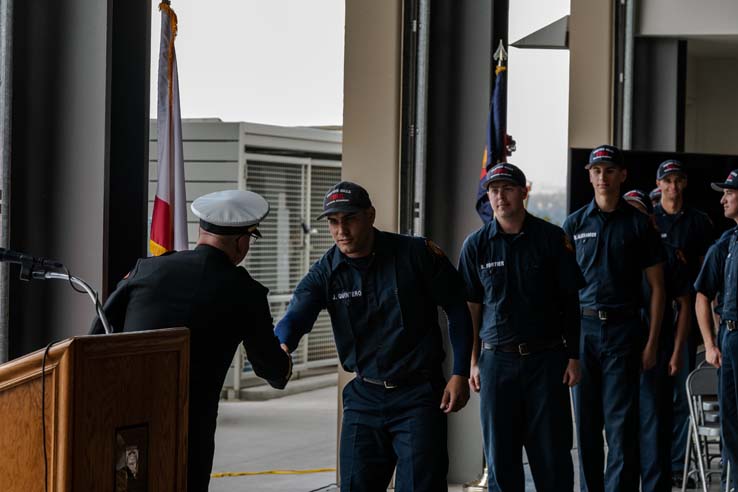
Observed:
{"x":522,"y":283}
{"x":730,"y":280}
{"x":383,"y":309}
{"x":689,"y":230}
{"x":710,"y":280}
{"x":613,"y":249}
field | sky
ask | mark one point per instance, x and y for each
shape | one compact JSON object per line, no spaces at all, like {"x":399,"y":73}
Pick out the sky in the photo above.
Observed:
{"x":281,"y":62}
{"x":538,"y":96}
{"x":265,"y":61}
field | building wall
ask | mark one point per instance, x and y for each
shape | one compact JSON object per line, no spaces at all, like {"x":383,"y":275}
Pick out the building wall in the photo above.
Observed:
{"x":712,"y":105}
{"x":59,"y":157}
{"x":371,"y":112}
{"x":680,"y":18}
{"x":590,"y":73}
{"x":656,"y":96}
{"x":460,"y":44}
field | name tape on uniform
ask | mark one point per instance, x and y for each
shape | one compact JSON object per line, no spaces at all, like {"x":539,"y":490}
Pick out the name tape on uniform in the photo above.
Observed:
{"x":348,"y":294}
{"x":492,"y":264}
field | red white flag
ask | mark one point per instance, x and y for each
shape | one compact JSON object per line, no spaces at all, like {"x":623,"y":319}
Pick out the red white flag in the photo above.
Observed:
{"x":169,"y":219}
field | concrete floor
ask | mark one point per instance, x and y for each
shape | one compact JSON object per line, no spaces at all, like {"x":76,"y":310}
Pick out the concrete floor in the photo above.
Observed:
{"x":294,"y":432}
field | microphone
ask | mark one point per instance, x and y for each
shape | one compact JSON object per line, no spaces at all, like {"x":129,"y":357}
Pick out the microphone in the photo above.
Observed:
{"x":28,"y":261}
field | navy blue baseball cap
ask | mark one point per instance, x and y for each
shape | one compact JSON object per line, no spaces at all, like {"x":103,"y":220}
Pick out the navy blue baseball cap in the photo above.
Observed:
{"x":606,"y":154}
{"x":505,"y":171}
{"x":346,"y":197}
{"x":730,"y":183}
{"x":640,"y":197}
{"x":670,"y":166}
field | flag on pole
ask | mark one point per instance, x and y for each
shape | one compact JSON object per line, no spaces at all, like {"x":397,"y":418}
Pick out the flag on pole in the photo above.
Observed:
{"x":169,"y":219}
{"x":497,"y":148}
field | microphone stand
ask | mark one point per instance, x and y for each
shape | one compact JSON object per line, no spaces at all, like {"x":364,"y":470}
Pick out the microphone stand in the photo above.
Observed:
{"x":46,"y":275}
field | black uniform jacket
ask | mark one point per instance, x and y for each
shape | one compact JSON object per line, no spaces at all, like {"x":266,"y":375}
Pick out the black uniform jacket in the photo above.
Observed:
{"x":221,"y":305}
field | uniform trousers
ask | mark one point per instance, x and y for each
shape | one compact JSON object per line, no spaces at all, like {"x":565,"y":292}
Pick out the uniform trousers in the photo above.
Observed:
{"x":384,"y":427}
{"x":728,"y":398}
{"x":524,"y":403}
{"x":680,"y":424}
{"x":200,"y":449}
{"x":655,"y":408}
{"x":607,"y":397}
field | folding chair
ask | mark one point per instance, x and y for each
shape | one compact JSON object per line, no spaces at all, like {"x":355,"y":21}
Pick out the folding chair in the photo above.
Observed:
{"x":704,"y":421}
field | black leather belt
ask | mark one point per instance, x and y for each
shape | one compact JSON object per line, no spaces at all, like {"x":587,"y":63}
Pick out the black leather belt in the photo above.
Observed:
{"x":524,"y":349}
{"x":612,"y":315}
{"x":730,"y":324}
{"x":397,"y":383}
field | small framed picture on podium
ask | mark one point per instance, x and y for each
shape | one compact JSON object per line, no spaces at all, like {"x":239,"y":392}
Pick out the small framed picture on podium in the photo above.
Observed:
{"x":131,"y":459}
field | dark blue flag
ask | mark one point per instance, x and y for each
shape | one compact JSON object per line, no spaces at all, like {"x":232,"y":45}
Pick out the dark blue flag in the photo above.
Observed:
{"x":495,"y":151}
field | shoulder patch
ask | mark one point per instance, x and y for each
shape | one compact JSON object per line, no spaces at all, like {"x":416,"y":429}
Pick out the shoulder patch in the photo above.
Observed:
{"x":434,"y":248}
{"x":567,"y":244}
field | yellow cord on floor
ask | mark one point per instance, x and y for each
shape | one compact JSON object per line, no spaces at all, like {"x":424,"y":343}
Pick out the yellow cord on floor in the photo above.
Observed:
{"x":271,"y":472}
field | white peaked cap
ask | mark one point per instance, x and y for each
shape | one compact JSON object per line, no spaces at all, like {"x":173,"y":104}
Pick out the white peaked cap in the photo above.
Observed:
{"x":236,"y":209}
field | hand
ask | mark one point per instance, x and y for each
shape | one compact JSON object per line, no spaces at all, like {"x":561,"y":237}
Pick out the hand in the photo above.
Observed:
{"x":474,"y":378}
{"x":713,"y":356}
{"x":285,"y":348}
{"x":455,"y":395}
{"x":648,"y":357}
{"x":675,"y":363}
{"x":572,"y":374}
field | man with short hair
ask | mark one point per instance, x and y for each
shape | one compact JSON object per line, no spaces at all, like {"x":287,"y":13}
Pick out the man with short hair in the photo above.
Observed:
{"x":688,"y":230}
{"x":615,"y":246}
{"x":657,"y":383}
{"x":382,"y":292}
{"x":522,"y":283}
{"x":222,"y":305}
{"x":709,"y":284}
{"x":718,"y":281}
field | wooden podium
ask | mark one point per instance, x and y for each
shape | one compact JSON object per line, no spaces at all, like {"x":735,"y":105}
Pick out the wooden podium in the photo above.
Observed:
{"x":115,"y":415}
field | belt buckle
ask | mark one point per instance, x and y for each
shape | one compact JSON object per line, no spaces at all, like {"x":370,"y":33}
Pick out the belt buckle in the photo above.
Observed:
{"x":523,"y":349}
{"x":602,"y":315}
{"x":389,"y":385}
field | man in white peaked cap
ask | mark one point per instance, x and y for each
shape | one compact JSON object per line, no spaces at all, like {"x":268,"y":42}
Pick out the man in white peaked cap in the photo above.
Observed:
{"x":218,"y":301}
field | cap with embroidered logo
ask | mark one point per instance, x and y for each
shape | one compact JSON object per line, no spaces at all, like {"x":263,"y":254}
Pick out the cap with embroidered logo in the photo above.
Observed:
{"x":346,"y":197}
{"x":670,"y":166}
{"x":505,"y":171}
{"x":231,"y":212}
{"x":730,"y":183}
{"x":606,"y":154}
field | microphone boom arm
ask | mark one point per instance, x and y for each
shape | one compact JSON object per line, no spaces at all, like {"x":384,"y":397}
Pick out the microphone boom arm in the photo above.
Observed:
{"x":42,"y":274}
